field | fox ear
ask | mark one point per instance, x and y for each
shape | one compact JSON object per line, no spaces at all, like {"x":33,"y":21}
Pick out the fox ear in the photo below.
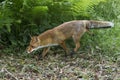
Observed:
{"x":37,"y":39}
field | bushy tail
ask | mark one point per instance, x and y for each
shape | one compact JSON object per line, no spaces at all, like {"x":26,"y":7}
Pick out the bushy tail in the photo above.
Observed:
{"x":100,"y":24}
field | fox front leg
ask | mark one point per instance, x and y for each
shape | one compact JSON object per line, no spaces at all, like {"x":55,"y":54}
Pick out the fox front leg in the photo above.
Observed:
{"x":63,"y":45}
{"x":45,"y":50}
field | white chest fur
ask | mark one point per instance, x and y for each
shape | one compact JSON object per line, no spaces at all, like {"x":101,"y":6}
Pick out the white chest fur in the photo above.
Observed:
{"x":45,"y":46}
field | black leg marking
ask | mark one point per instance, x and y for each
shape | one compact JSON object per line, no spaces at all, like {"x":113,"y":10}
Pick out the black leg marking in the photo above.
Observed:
{"x":72,"y":53}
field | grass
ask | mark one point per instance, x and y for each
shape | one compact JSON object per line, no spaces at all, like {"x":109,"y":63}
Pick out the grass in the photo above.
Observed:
{"x":106,"y":40}
{"x":86,"y":65}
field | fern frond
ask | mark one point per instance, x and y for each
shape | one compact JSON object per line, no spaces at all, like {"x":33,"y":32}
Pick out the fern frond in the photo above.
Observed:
{"x":81,"y":7}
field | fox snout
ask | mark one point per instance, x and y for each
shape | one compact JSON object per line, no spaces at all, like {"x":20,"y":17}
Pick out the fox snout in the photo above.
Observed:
{"x":29,"y":50}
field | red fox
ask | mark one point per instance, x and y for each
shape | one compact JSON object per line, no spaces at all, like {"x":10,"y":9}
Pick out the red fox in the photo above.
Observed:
{"x":59,"y":34}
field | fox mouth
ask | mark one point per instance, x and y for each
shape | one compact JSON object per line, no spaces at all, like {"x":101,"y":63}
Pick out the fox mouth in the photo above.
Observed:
{"x":30,"y":51}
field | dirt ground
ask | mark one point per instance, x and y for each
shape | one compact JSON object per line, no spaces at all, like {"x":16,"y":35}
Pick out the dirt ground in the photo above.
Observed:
{"x":84,"y":66}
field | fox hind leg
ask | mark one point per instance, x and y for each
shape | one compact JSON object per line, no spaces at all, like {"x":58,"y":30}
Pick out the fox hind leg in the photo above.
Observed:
{"x":76,"y":39}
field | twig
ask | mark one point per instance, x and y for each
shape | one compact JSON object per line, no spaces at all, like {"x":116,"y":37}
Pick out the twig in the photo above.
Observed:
{"x":5,"y":70}
{"x":2,"y":70}
{"x":23,"y":69}
{"x":115,"y":75}
{"x":10,"y":74}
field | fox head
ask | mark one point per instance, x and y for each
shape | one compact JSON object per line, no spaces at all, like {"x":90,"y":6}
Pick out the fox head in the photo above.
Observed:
{"x":34,"y":44}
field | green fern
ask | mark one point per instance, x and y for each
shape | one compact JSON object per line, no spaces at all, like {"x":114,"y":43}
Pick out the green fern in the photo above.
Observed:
{"x":81,"y":7}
